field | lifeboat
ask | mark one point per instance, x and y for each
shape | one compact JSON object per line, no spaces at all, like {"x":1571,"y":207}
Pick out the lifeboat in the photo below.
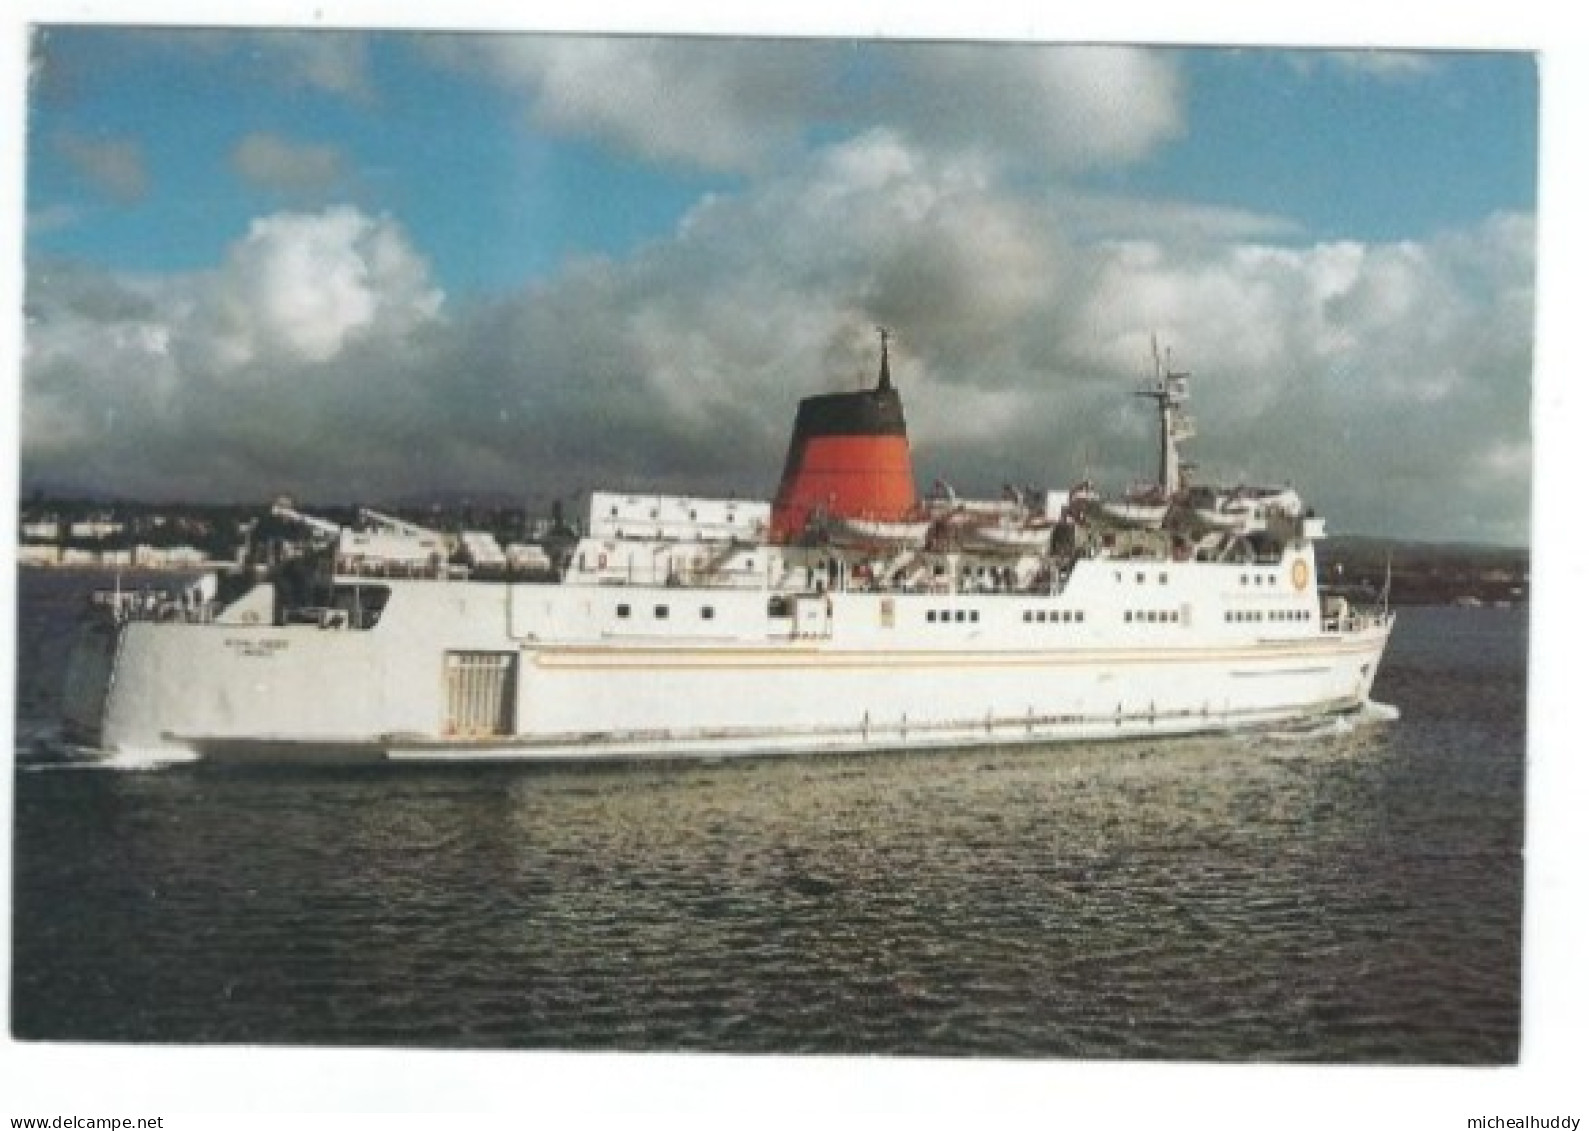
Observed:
{"x":1010,"y":537}
{"x":1247,"y":510}
{"x":1142,"y":511}
{"x":878,"y":533}
{"x":1223,"y":512}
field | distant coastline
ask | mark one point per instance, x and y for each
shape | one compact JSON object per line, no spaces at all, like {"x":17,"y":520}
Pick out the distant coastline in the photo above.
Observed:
{"x":85,"y":534}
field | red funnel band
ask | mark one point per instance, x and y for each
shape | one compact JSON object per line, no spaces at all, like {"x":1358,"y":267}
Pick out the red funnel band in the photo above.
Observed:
{"x":845,"y":477}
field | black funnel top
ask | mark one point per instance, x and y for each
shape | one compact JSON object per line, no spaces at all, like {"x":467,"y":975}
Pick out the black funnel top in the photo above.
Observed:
{"x":869,"y":412}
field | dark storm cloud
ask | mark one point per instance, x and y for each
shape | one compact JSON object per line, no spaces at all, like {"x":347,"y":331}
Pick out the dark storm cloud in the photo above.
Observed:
{"x":1389,"y":382}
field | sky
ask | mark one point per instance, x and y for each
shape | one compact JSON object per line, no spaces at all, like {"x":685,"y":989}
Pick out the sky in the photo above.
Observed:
{"x":364,"y":266}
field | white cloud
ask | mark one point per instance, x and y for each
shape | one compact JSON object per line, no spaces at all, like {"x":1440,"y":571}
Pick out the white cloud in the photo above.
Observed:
{"x":1375,"y":64}
{"x":213,"y":383}
{"x":51,"y":218}
{"x":739,"y":105}
{"x":1071,"y":106}
{"x":1094,"y":216}
{"x":333,"y":62}
{"x":114,"y":165}
{"x":281,"y":165}
{"x":1389,"y":381}
{"x":1393,"y":66}
{"x":721,"y":106}
{"x":300,"y":288}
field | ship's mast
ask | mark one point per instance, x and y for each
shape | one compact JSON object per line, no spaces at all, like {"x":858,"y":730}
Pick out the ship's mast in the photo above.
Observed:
{"x":884,"y":381}
{"x":1169,"y":390}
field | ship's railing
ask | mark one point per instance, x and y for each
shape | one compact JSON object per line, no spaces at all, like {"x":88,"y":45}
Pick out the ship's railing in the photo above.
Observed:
{"x":1352,"y":621}
{"x":123,"y":605}
{"x":353,"y":566}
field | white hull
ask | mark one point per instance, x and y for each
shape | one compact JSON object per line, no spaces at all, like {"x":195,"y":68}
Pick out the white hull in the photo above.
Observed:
{"x":749,"y":742}
{"x":563,"y":680}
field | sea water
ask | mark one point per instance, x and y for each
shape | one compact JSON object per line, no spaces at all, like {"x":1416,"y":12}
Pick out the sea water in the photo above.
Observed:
{"x":1347,"y":893}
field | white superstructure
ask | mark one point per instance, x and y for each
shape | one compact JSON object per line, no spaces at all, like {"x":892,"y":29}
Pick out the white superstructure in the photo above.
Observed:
{"x":718,"y":626}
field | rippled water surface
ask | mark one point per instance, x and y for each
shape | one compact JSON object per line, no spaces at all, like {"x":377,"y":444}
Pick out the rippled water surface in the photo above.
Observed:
{"x":1352,"y":895}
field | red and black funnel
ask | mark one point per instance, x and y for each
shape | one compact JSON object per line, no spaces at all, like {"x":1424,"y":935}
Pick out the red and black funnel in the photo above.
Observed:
{"x":849,"y":457}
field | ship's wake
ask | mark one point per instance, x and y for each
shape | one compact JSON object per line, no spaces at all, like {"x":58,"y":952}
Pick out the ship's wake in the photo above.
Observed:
{"x":1336,"y":726}
{"x":1373,"y":712}
{"x":64,"y":757}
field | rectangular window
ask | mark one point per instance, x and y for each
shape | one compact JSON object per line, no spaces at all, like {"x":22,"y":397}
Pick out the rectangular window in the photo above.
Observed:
{"x":707,"y":612}
{"x":932,"y":616}
{"x":1027,"y":616}
{"x":960,"y":615}
{"x":623,"y":612}
{"x":661,"y":612}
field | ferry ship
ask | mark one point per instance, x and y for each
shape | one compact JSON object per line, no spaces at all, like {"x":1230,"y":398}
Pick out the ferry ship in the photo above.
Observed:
{"x":848,"y":614}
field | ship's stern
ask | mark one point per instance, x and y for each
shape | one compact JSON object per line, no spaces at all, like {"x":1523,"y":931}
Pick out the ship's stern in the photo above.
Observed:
{"x":90,"y":669}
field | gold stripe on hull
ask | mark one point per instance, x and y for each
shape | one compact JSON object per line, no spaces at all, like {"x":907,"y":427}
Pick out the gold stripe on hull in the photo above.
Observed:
{"x":609,"y":657}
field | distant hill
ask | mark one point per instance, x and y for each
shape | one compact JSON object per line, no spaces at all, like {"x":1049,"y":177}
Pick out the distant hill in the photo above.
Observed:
{"x":1426,"y":572}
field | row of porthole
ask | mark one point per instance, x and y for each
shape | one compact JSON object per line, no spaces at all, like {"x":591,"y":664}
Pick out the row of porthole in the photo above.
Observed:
{"x":956,"y":616}
{"x":660,"y":612}
{"x":1252,"y":616}
{"x":1142,"y":578}
{"x":1164,"y":578}
{"x":731,"y":516}
{"x":1053,"y":616}
{"x":1153,"y":616}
